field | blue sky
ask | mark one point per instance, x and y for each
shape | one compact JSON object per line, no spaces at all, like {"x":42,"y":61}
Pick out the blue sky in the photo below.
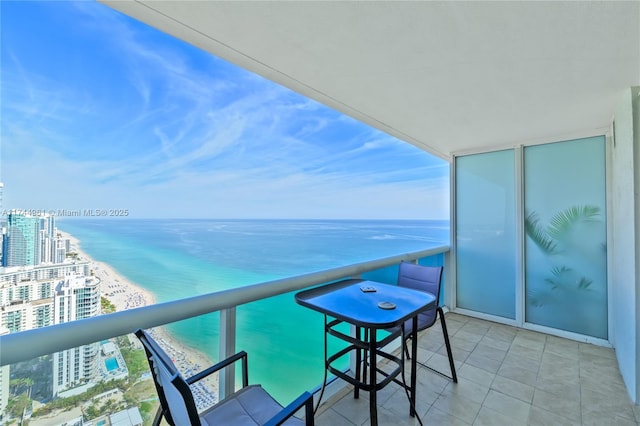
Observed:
{"x":100,"y":111}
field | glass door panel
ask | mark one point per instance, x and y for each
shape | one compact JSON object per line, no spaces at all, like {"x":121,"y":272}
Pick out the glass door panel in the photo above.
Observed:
{"x":565,"y":243}
{"x":485,"y":233}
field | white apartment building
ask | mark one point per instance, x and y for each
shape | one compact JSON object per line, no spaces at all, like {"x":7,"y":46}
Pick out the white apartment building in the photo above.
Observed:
{"x":53,"y":248}
{"x":39,"y":296}
{"x":16,"y":275}
{"x":76,"y":297}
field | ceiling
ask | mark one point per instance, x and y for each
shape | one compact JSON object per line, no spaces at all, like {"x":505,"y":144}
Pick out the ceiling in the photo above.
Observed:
{"x":448,"y":77}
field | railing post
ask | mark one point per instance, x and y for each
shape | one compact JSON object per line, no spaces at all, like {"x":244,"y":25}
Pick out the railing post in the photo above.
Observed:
{"x":226,"y":380}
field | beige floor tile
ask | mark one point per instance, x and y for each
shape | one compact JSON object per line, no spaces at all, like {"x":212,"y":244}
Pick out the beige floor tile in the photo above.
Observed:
{"x":355,"y":410}
{"x":636,"y":410}
{"x":507,"y":405}
{"x":459,"y":355}
{"x":518,"y":374}
{"x":477,"y":375}
{"x":386,"y":418}
{"x":424,"y":354}
{"x":332,"y":418}
{"x":593,"y":401}
{"x":441,"y":363}
{"x":566,"y":373}
{"x":453,"y":324}
{"x":502,"y":331}
{"x":477,"y":327}
{"x":460,"y":343}
{"x":497,"y":343}
{"x":599,"y":418}
{"x":564,"y":407}
{"x":587,"y":349}
{"x":550,"y":359}
{"x":541,"y":417}
{"x":425,"y":396}
{"x":489,"y":417}
{"x":490,"y":352}
{"x":523,"y":362}
{"x":530,"y":339}
{"x":458,"y":406}
{"x":467,"y":389}
{"x":487,"y":364}
{"x":608,"y":368}
{"x":563,"y":347}
{"x":431,"y":380}
{"x":540,"y":380}
{"x":522,"y":351}
{"x":603,"y":384}
{"x":560,"y":387}
{"x":438,"y":417}
{"x":513,"y":388}
{"x":431,"y":340}
{"x":399,"y":405}
{"x":468,"y":335}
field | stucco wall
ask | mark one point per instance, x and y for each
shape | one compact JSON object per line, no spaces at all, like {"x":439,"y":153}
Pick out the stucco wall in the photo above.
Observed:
{"x":624,"y":240}
{"x":636,"y":143}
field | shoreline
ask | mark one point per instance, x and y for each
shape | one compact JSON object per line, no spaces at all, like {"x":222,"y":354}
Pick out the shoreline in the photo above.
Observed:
{"x":124,"y":294}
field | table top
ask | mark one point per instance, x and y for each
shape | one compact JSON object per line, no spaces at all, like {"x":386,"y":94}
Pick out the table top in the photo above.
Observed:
{"x":346,"y":301}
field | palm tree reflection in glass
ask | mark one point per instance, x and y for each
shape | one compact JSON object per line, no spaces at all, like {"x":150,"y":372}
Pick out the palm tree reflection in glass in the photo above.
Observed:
{"x":568,"y":271}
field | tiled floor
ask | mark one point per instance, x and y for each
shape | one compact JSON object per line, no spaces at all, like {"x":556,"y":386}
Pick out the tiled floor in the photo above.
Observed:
{"x":506,"y":376}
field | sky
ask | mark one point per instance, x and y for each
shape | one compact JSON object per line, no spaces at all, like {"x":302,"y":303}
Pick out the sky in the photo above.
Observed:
{"x":101,"y":112}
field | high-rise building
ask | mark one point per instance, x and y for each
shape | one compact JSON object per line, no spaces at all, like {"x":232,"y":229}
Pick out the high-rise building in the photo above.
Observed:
{"x":48,"y":224}
{"x":3,"y":228}
{"x":32,"y":240}
{"x":40,"y":287}
{"x":34,"y":297}
{"x":59,"y":250}
{"x":48,"y":240}
{"x":21,"y":243}
{"x":76,"y":297}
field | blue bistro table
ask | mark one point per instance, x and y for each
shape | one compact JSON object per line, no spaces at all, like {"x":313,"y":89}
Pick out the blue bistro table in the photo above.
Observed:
{"x":369,"y":306}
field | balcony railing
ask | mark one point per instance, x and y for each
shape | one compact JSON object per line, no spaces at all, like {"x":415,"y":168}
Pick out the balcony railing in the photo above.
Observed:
{"x":26,"y":345}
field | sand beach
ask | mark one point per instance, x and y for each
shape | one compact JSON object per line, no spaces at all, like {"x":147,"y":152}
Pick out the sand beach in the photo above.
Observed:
{"x":124,"y":294}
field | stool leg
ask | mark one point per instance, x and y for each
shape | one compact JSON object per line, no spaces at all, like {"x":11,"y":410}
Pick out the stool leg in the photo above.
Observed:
{"x":454,"y":376}
{"x":359,"y":360}
{"x":373,"y":400}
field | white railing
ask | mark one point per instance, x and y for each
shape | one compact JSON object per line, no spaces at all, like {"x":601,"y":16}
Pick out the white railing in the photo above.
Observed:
{"x":26,"y":345}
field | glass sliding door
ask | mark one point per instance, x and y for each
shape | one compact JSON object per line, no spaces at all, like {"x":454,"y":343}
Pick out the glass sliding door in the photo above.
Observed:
{"x":565,"y":242}
{"x":485,"y":233}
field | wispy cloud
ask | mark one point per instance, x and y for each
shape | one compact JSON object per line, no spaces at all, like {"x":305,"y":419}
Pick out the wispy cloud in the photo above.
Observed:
{"x":134,"y":118}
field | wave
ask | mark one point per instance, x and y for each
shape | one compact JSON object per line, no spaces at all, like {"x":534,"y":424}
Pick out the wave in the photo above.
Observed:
{"x":383,"y":237}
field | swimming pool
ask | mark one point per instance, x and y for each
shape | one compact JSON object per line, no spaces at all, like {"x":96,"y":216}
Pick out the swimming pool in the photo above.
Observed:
{"x":111,"y":364}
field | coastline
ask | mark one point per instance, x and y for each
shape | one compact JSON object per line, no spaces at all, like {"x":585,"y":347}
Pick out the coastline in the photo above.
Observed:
{"x":124,"y":294}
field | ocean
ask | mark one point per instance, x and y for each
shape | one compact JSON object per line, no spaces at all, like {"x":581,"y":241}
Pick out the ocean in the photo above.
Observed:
{"x":175,"y":259}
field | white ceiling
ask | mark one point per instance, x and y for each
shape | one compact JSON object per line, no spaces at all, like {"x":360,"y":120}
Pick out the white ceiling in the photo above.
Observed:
{"x":448,"y":77}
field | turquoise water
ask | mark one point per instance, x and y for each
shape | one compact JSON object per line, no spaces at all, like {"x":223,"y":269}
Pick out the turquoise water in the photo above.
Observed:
{"x":111,"y":364}
{"x":180,"y":258}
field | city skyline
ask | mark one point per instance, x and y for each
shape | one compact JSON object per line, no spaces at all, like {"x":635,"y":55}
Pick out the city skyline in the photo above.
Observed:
{"x":102,"y":112}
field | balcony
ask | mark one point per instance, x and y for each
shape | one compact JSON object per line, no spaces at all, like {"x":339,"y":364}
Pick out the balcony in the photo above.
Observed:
{"x":507,"y":375}
{"x":445,"y":78}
